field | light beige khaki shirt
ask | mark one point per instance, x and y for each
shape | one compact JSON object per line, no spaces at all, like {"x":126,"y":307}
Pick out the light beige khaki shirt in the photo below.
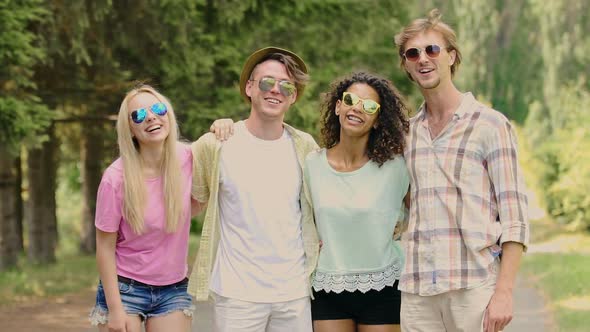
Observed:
{"x":206,"y":152}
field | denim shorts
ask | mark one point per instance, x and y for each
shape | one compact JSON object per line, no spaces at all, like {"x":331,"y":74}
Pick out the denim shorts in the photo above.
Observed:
{"x":145,"y":300}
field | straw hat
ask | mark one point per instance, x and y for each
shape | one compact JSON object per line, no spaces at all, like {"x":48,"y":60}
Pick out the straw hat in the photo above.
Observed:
{"x":255,"y":58}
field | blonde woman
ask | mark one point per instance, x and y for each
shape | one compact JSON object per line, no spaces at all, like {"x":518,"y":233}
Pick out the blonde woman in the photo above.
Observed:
{"x":143,"y":213}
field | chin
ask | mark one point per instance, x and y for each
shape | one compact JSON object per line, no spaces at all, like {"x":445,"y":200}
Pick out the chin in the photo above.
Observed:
{"x":355,"y":131}
{"x":429,"y":85}
{"x":273,"y":114}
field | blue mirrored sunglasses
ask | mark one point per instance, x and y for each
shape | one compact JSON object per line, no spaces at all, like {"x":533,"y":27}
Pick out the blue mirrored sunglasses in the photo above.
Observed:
{"x":139,"y":115}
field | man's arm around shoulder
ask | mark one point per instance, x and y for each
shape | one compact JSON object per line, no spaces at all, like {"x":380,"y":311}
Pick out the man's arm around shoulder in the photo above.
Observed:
{"x":203,"y":151}
{"x":310,"y":143}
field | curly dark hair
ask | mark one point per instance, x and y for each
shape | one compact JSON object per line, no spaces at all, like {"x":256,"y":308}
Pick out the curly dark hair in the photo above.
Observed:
{"x":388,"y":138}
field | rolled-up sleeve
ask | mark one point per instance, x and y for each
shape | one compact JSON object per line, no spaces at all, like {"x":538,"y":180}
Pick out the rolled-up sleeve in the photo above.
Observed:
{"x":508,"y":184}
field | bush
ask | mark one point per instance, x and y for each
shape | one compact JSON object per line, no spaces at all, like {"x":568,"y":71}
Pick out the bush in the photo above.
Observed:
{"x":562,"y":157}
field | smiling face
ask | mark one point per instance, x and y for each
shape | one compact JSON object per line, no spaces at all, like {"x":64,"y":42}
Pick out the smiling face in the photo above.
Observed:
{"x":154,"y":129}
{"x":271,"y":105}
{"x":430,"y":73}
{"x":353,"y":121}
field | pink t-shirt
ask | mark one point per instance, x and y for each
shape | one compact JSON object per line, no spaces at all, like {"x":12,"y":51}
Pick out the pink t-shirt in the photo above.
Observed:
{"x":154,"y":257}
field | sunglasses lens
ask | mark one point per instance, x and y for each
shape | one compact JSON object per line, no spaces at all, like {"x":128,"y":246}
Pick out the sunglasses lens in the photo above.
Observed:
{"x":412,"y":54}
{"x":266,"y":83}
{"x":138,"y":115}
{"x":433,"y":50}
{"x":159,"y":109}
{"x":370,"y":107}
{"x":349,"y":99}
{"x":287,"y":88}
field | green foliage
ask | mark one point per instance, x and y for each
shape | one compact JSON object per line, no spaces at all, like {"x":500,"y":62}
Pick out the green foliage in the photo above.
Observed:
{"x":558,"y":117}
{"x":22,"y":116}
{"x":21,"y":120}
{"x":18,"y":52}
{"x":563,"y":159}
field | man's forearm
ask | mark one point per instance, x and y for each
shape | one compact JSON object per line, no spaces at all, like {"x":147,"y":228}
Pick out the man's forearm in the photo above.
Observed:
{"x":511,"y":254}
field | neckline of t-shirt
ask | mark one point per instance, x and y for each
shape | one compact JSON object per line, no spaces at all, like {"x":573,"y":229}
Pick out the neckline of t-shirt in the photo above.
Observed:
{"x":153,"y":178}
{"x":259,"y":141}
{"x":339,"y":173}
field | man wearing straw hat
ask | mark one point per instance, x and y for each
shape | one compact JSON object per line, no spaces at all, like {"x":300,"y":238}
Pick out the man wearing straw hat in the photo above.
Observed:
{"x":258,"y":245}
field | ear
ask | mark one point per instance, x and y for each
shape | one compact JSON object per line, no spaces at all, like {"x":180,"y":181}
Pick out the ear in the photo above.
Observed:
{"x":249,"y":89}
{"x":453,"y":56}
{"x":293,"y":98}
{"x":337,"y":108}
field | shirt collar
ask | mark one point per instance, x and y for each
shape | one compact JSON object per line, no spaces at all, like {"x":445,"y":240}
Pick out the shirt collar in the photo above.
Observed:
{"x":465,"y":107}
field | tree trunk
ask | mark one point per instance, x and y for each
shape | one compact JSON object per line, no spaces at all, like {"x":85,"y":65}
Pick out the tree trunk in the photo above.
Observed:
{"x":8,"y":232}
{"x":19,"y":204}
{"x":91,"y":152}
{"x":42,"y":220}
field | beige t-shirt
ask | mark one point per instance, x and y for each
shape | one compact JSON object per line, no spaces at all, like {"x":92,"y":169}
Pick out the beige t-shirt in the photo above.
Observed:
{"x":260,"y":256}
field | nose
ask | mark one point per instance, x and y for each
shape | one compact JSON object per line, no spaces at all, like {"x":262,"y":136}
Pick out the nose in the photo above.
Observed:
{"x":422,"y":57}
{"x":150,"y":116}
{"x":275,"y":88}
{"x":358,"y":107}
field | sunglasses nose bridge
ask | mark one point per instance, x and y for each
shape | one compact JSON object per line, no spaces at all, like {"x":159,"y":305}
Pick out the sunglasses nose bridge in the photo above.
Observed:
{"x":149,"y":117}
{"x":358,"y":107}
{"x":423,"y":56}
{"x":274,"y":88}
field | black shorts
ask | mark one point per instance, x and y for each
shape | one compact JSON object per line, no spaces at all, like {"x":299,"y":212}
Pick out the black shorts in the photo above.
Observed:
{"x":370,"y":308}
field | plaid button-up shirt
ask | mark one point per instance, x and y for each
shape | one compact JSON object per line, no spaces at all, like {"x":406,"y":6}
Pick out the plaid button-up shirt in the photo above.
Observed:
{"x":467,"y":198}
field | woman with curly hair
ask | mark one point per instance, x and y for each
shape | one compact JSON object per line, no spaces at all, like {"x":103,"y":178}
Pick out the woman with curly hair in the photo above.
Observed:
{"x":357,"y":185}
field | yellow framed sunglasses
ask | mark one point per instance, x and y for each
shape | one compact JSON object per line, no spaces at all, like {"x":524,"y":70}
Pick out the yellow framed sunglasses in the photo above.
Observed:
{"x":369,"y":106}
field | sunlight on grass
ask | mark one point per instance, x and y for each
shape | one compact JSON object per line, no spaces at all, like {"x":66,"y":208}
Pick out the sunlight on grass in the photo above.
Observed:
{"x":578,"y":303}
{"x":564,"y":243}
{"x":68,"y":275}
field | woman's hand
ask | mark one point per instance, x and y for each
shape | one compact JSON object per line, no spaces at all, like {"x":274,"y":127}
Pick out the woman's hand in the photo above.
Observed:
{"x":116,"y":321}
{"x":222,"y":128}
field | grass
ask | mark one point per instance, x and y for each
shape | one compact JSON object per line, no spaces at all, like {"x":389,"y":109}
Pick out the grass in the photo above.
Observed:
{"x":563,"y":278}
{"x":559,"y":265}
{"x":28,"y":282}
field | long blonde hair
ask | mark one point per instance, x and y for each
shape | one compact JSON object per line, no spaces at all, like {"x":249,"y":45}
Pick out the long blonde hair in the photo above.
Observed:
{"x":134,"y":202}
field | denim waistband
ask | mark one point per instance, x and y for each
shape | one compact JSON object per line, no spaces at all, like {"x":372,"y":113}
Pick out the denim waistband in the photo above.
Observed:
{"x":130,"y":281}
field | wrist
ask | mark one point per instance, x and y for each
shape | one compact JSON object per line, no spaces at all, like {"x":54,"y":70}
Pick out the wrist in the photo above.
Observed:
{"x":503,"y":289}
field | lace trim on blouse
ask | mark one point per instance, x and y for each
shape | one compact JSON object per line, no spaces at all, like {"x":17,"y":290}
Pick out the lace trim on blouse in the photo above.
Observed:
{"x":363,"y":282}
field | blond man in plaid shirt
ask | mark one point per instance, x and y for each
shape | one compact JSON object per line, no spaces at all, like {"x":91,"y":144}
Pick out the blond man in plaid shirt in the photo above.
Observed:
{"x":468,"y":204}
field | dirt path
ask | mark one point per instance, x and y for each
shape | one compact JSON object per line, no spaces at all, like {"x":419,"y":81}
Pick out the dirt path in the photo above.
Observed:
{"x":64,"y":314}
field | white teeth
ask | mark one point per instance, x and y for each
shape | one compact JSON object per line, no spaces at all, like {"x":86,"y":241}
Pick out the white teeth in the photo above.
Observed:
{"x":423,"y":71}
{"x":274,"y":101}
{"x":152,"y":128}
{"x":354,"y":118}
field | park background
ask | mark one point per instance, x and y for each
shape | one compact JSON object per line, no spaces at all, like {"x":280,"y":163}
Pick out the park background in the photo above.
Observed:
{"x":66,"y":65}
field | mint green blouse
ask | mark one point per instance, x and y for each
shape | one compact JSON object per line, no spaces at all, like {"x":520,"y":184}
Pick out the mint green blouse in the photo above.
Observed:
{"x":355,"y":214}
